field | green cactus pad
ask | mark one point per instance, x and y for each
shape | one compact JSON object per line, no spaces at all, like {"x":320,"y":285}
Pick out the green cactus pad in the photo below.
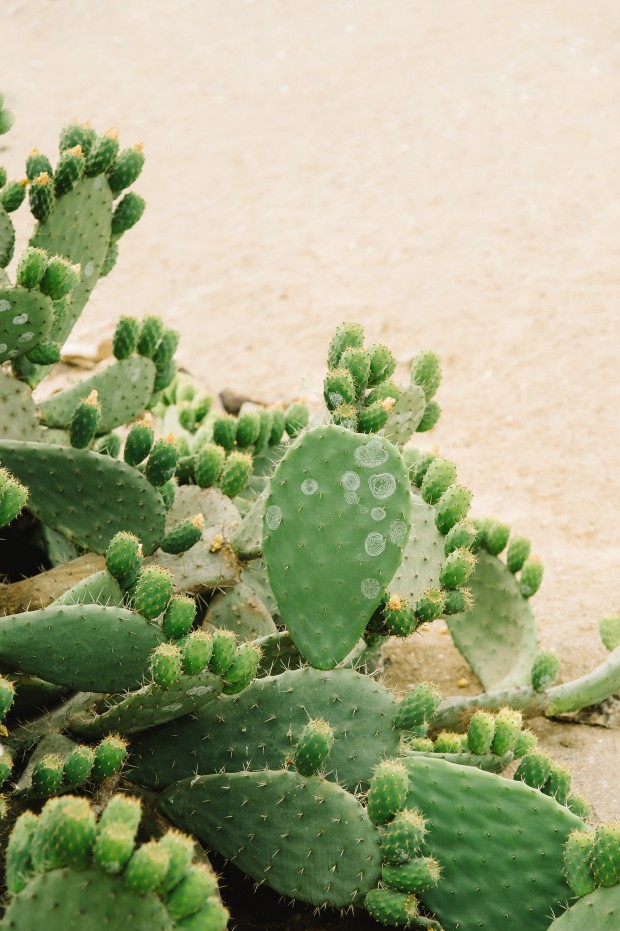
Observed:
{"x":123,"y":389}
{"x":25,"y":319}
{"x":259,"y":727}
{"x":330,"y":853}
{"x":599,"y":911}
{"x":96,"y":901}
{"x":424,"y":556}
{"x":86,"y":496}
{"x":336,"y":521}
{"x":490,"y":833}
{"x":84,"y":647}
{"x":79,"y":230}
{"x":497,"y":636}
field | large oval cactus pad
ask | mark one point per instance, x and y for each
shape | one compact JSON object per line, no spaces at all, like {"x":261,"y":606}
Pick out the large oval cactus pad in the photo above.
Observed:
{"x":307,"y":838}
{"x":500,"y":844}
{"x":497,"y":636}
{"x":90,"y":648}
{"x":259,"y":727}
{"x":336,"y":521}
{"x":86,"y":496}
{"x":25,"y":319}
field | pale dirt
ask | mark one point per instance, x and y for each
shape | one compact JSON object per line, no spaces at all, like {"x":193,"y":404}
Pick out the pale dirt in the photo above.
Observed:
{"x":446,"y":173}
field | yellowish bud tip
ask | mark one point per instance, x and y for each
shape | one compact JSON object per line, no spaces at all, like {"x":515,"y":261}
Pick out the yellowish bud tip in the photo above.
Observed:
{"x":42,"y":179}
{"x":33,"y":152}
{"x":146,"y":420}
{"x":112,"y":132}
{"x":217,"y":543}
{"x":139,"y":146}
{"x":76,"y":150}
{"x":387,"y":404}
{"x":23,"y":182}
{"x":93,"y":398}
{"x":396,"y":603}
{"x":198,"y":521}
{"x":171,"y":439}
{"x":87,"y":124}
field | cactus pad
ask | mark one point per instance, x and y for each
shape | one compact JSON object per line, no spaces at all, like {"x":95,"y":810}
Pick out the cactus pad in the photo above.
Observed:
{"x":336,"y":521}
{"x":599,"y":911}
{"x":497,"y":636}
{"x":490,"y":833}
{"x":307,"y":838}
{"x":86,"y":496}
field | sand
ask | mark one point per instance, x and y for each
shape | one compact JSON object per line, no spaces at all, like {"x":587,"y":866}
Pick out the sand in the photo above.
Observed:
{"x":445,"y":173}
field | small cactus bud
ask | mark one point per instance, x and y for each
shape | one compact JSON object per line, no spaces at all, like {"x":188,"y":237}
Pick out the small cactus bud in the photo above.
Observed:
{"x":432,"y":413}
{"x":457,"y":569}
{"x":403,"y":837}
{"x":418,"y":707}
{"x":338,"y":388}
{"x":313,"y":747}
{"x":41,"y":197}
{"x":577,"y":857}
{"x":518,"y":551}
{"x":382,"y":364}
{"x":126,"y":169}
{"x":60,"y":278}
{"x":209,"y":464}
{"x":388,"y":791}
{"x":123,"y":558}
{"x":508,"y":724}
{"x":296,"y":419}
{"x":235,"y":474}
{"x":545,"y":671}
{"x":534,"y":769}
{"x":440,"y":474}
{"x":109,"y":756}
{"x":147,"y":868}
{"x":78,"y":766}
{"x":531,"y":577}
{"x":416,"y":875}
{"x":166,"y":665}
{"x":242,"y":669}
{"x":393,"y":909}
{"x":399,"y":616}
{"x":426,"y":372}
{"x":85,"y":421}
{"x":224,"y":647}
{"x":162,"y":461}
{"x":196,"y":651}
{"x":452,"y":507}
{"x":480,"y":732}
{"x":127,"y":213}
{"x":32,"y":267}
{"x":125,"y":339}
{"x":179,"y":616}
{"x":47,"y":775}
{"x":185,"y":535}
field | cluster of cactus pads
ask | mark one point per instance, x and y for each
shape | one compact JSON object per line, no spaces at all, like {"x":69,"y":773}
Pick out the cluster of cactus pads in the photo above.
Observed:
{"x":221,"y":664}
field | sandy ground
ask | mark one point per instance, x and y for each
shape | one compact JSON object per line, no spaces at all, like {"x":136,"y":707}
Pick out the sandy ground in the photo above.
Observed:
{"x":445,"y":173}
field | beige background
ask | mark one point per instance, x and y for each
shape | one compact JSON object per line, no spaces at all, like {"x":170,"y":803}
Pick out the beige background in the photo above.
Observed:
{"x":445,"y":172}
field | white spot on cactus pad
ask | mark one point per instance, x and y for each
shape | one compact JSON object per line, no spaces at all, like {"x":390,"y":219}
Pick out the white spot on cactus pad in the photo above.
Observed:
{"x":309,"y":486}
{"x":199,"y":690}
{"x":176,"y":706}
{"x":273,"y":516}
{"x":374,"y":544}
{"x":398,"y":532}
{"x":335,"y":399}
{"x":12,"y":354}
{"x":382,"y":485}
{"x":351,"y":481}
{"x":378,"y":513}
{"x":4,"y":305}
{"x":370,"y":588}
{"x":372,"y":454}
{"x":88,"y":269}
{"x":20,"y":319}
{"x":351,"y":497}
{"x":26,"y":337}
{"x":3,"y":347}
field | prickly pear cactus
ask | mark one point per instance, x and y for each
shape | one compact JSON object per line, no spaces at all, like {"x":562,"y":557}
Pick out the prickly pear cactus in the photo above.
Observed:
{"x":71,"y":871}
{"x":336,"y":521}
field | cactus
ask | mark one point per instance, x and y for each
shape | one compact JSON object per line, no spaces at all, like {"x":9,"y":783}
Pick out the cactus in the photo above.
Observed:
{"x":311,"y":504}
{"x":73,"y":872}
